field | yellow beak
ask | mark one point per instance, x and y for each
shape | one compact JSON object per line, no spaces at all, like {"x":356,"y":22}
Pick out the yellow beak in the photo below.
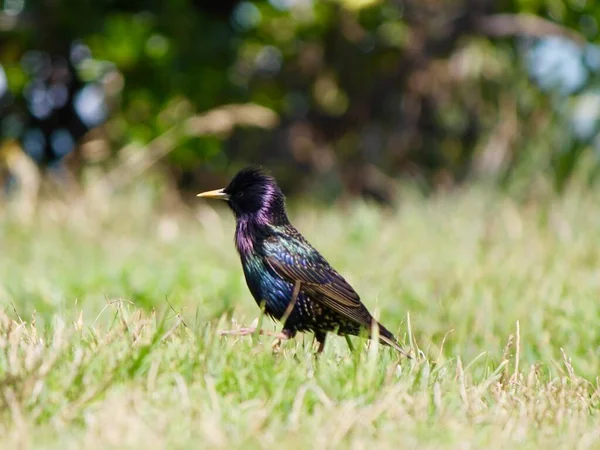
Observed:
{"x":217,"y":193}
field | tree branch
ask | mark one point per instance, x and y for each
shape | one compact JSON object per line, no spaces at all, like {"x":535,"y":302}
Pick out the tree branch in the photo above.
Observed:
{"x":505,"y":25}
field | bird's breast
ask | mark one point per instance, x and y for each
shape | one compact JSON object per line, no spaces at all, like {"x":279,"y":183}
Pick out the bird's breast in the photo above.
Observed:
{"x":267,"y":287}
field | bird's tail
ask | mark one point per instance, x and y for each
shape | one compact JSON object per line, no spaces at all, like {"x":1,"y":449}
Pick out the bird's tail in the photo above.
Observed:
{"x":387,"y":338}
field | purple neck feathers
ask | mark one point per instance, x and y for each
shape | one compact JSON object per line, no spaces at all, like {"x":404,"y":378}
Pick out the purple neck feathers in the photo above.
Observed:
{"x":257,"y":225}
{"x":245,"y":235}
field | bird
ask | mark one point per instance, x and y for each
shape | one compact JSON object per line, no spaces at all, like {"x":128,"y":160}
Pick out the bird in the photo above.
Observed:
{"x":285,"y":274}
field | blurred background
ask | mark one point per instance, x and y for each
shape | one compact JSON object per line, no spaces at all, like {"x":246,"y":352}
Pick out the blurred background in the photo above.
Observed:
{"x":340,"y":98}
{"x":480,"y":119}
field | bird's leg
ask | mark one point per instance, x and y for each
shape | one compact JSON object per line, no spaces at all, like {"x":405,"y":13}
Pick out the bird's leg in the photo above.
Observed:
{"x":238,"y":332}
{"x":320,"y":336}
{"x":250,"y":330}
{"x":283,"y":336}
{"x":287,"y":333}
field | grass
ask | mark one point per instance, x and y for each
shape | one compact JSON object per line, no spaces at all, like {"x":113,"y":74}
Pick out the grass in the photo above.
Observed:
{"x":109,"y":319}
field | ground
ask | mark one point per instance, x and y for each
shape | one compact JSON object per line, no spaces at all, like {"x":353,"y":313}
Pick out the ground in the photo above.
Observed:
{"x":109,"y":320}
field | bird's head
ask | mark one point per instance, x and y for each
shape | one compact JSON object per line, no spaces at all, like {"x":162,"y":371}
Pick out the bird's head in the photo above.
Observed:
{"x":252,"y":193}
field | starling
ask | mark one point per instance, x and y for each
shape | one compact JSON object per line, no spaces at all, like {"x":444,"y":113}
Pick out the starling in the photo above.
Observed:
{"x":284,"y":273}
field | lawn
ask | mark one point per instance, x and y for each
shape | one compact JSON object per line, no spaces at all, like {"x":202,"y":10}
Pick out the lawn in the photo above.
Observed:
{"x":110,"y":311}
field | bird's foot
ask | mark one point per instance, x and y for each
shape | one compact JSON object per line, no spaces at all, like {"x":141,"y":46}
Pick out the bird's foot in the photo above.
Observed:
{"x":251,"y":330}
{"x":279,"y":338}
{"x":284,"y":335}
{"x":238,"y":332}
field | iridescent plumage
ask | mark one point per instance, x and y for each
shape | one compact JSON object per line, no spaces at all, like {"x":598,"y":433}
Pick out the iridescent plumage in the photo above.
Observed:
{"x":283,"y":271}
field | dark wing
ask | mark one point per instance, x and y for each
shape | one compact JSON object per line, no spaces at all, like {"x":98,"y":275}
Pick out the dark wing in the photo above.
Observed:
{"x":295,"y":260}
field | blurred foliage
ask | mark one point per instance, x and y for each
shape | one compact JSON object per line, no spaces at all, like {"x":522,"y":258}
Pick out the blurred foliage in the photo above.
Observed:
{"x":365,"y":90}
